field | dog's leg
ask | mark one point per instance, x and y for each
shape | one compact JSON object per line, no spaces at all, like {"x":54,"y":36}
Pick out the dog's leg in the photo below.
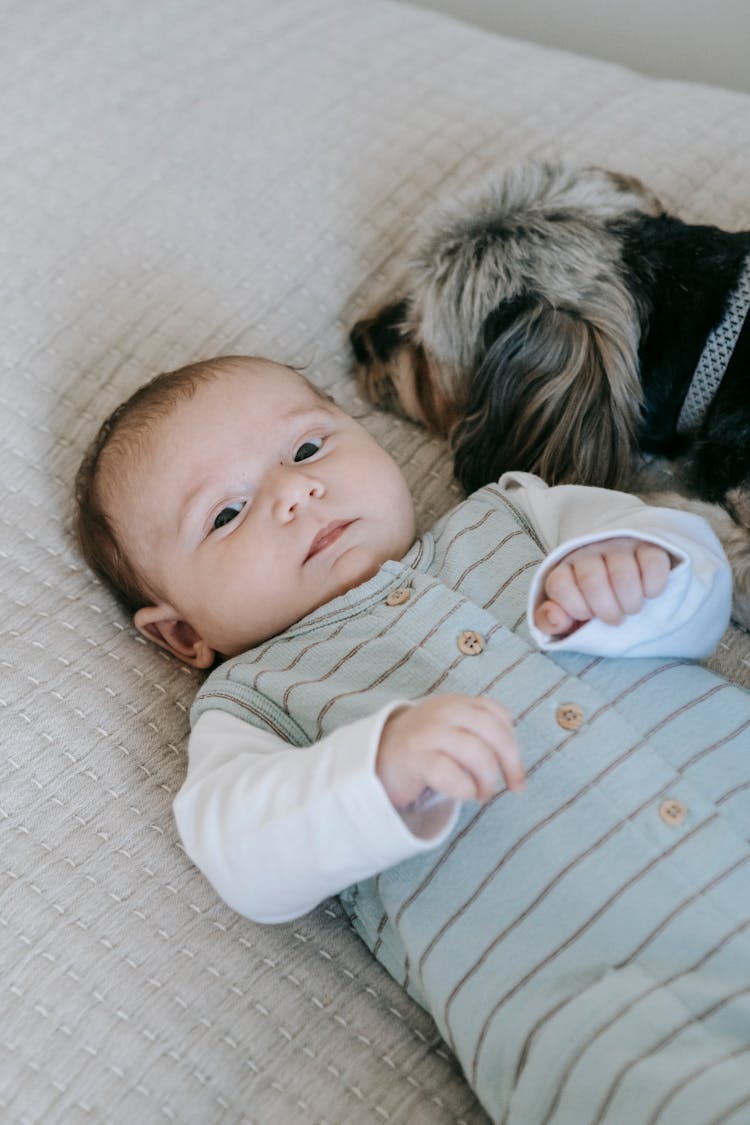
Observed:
{"x":733,"y":534}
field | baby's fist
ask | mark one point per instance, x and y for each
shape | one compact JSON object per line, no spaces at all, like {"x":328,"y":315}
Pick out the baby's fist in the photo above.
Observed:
{"x":457,"y":745}
{"x":608,"y":580}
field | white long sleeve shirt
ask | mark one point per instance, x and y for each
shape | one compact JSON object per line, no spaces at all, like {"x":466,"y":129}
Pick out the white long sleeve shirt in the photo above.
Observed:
{"x":276,"y":829}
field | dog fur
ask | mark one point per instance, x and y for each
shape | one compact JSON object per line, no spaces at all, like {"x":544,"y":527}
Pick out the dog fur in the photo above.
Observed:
{"x":551,"y":320}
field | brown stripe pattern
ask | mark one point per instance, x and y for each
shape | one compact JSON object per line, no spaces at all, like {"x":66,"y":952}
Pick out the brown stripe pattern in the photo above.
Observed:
{"x":585,"y":955}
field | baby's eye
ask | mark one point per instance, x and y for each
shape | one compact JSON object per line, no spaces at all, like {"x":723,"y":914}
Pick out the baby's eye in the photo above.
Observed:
{"x":226,"y":515}
{"x":308,"y":449}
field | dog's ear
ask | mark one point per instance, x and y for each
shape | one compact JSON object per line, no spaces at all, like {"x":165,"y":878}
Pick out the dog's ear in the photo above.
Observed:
{"x":557,"y":394}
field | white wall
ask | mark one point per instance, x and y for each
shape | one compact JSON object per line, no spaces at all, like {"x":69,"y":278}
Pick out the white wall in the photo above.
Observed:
{"x":697,"y":40}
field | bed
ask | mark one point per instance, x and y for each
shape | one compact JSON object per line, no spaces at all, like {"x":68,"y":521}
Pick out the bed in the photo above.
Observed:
{"x":181,"y":179}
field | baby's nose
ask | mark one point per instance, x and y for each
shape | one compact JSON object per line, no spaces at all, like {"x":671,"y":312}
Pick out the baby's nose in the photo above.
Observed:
{"x":294,"y":489}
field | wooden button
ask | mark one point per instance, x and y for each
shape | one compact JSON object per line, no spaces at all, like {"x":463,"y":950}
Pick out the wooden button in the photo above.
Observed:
{"x":470,"y":643}
{"x":672,"y":811}
{"x":398,"y":597}
{"x":569,"y":716}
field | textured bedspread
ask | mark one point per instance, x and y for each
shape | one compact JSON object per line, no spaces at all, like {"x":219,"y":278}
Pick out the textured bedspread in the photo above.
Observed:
{"x":191,"y":177}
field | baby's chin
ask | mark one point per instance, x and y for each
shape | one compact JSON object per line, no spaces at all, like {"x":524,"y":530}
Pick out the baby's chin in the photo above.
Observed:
{"x":355,"y":568}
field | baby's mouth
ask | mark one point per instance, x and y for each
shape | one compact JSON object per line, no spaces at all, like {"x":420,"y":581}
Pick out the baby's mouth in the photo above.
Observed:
{"x":326,"y":536}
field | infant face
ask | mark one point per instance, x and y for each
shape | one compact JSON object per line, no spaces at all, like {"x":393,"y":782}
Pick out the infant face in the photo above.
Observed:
{"x":256,"y":502}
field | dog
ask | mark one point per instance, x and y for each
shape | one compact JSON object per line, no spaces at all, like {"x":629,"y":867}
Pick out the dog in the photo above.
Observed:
{"x":559,"y":320}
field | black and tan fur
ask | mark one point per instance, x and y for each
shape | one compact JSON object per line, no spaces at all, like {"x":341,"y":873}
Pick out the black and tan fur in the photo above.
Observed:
{"x":551,"y":320}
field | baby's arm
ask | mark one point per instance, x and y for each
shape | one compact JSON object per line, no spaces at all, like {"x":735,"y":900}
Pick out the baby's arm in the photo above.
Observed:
{"x":277,"y":829}
{"x":689,"y":615}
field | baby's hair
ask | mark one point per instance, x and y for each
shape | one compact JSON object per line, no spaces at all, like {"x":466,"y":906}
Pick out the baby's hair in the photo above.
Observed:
{"x":127,"y":427}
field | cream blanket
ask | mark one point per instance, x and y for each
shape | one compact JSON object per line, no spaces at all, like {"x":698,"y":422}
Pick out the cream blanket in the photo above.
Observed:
{"x":183,"y":178}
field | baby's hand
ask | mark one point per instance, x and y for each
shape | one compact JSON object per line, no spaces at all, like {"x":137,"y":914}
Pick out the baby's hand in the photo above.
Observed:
{"x":609,"y":580}
{"x":457,"y":745}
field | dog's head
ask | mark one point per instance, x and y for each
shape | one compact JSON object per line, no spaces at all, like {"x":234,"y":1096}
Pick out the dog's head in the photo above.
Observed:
{"x":515,"y":332}
{"x":556,"y":393}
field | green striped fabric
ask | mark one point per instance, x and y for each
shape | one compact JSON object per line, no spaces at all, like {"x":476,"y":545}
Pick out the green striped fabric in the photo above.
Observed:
{"x":583,"y":947}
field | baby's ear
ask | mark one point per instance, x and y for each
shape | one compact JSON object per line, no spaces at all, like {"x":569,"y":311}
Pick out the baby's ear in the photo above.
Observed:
{"x":164,"y":626}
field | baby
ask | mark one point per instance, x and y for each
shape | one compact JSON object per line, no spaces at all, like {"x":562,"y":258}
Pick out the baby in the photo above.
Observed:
{"x":254,"y":528}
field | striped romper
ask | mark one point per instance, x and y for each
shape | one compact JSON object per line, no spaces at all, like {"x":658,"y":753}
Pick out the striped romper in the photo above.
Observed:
{"x":585,"y":949}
